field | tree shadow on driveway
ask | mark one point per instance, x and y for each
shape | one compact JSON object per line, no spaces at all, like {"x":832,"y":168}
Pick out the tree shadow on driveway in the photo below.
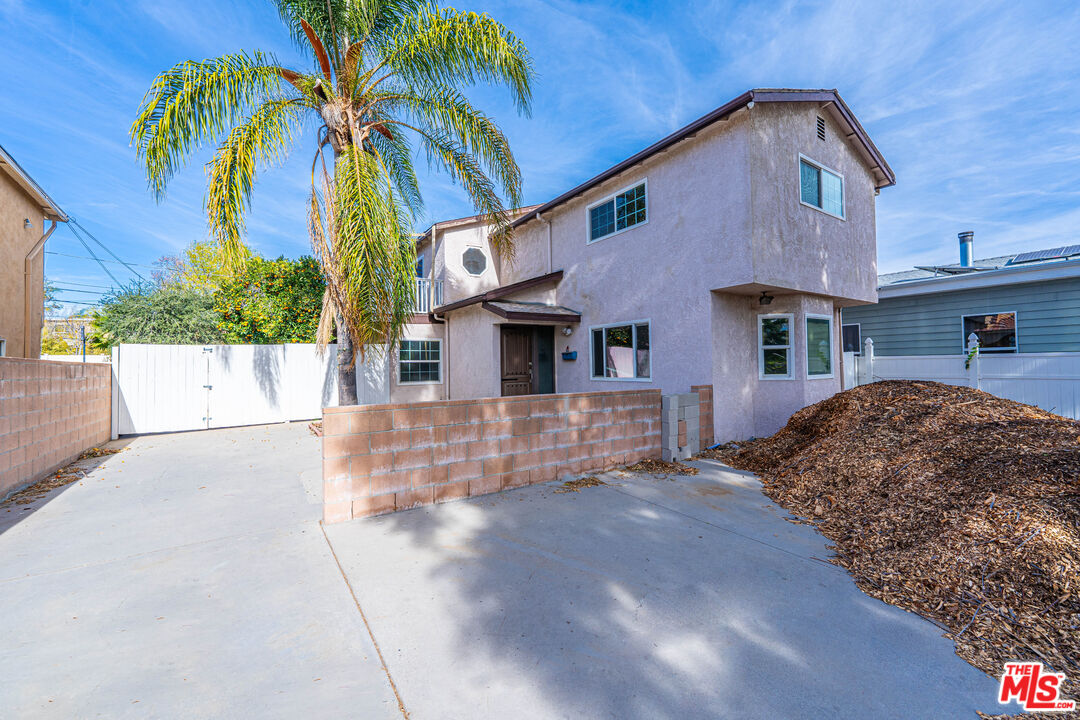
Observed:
{"x":650,"y":598}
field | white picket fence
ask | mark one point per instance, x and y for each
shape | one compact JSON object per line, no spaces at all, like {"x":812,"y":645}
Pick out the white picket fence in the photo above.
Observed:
{"x":1050,"y":381}
{"x":168,"y":388}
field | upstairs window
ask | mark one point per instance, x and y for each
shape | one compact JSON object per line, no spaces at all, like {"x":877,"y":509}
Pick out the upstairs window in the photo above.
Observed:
{"x":474,"y":261}
{"x":618,"y":212}
{"x":996,"y":331}
{"x":821,"y":188}
{"x":621,"y":352}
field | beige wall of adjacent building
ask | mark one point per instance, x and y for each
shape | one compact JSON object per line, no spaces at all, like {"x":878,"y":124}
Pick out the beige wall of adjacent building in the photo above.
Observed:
{"x":16,"y":241}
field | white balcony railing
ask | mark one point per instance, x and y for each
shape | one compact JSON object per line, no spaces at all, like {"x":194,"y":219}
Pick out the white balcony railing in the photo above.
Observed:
{"x":428,"y":295}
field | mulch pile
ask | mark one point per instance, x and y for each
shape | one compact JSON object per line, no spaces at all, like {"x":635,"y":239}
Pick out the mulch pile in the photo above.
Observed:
{"x":946,"y":501}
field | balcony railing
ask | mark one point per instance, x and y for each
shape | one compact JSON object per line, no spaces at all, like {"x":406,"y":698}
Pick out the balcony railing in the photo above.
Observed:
{"x":428,"y":295}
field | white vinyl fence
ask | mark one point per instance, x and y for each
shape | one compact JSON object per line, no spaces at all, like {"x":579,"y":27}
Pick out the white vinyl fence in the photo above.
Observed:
{"x":167,"y":388}
{"x":1050,"y":381}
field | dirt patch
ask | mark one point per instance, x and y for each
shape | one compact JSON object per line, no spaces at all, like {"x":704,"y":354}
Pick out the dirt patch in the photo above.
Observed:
{"x":577,"y":484}
{"x":660,"y":467}
{"x":955,"y":504}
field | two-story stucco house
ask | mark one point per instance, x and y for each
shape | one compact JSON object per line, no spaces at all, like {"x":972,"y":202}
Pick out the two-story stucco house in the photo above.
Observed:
{"x":720,"y":255}
{"x":27,"y":217}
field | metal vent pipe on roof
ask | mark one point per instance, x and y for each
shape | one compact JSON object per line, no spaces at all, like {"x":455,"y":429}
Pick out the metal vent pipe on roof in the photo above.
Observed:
{"x":967,"y":248}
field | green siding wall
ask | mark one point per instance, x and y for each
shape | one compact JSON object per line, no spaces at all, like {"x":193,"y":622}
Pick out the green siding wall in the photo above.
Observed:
{"x":1047,"y":318}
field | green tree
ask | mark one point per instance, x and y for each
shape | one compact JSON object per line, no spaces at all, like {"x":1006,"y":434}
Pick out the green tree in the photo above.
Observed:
{"x":148,"y":313}
{"x":53,"y":344}
{"x":389,"y":73}
{"x":271,"y":301}
{"x":200,"y":267}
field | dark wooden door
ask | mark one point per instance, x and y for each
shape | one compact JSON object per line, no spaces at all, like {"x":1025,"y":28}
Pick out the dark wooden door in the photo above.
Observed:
{"x":517,"y":362}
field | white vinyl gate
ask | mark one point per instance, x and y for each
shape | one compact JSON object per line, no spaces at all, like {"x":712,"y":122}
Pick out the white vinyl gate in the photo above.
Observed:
{"x":1050,"y":381}
{"x":168,"y":388}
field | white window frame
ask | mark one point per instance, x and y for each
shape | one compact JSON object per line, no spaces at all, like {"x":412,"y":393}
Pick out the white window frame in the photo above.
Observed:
{"x":826,"y":168}
{"x":419,"y":382}
{"x":844,"y":325}
{"x":1016,"y":332}
{"x":487,"y":261}
{"x":610,"y":198}
{"x":633,"y":330}
{"x":790,"y":347}
{"x":3,"y":347}
{"x":832,"y":346}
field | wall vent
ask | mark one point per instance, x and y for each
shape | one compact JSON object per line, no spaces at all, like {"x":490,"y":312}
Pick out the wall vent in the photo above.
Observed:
{"x":821,"y":128}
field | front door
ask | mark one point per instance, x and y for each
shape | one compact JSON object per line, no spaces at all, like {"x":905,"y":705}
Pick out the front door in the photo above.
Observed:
{"x":517,"y":364}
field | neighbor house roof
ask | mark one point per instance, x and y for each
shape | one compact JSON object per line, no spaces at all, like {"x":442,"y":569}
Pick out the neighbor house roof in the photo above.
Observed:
{"x":883,"y":174}
{"x":1037,"y":266}
{"x":41,"y":198}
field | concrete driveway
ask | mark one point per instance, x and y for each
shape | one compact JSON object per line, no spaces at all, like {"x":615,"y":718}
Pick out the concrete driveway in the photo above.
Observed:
{"x":189,"y":577}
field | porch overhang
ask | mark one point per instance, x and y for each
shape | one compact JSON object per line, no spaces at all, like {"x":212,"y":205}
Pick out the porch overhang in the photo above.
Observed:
{"x":499,"y":292}
{"x":533,"y":312}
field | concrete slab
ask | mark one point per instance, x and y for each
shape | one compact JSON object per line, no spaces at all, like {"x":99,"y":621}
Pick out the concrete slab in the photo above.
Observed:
{"x":650,"y":598}
{"x":185,"y":577}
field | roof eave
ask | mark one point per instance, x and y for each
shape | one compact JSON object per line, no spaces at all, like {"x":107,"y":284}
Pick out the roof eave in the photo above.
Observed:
{"x":883,"y":177}
{"x":48,"y":206}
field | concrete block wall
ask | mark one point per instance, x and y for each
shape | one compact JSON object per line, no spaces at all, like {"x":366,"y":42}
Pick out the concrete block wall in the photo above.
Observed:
{"x":382,"y":458}
{"x":49,"y":413}
{"x":705,"y":417}
{"x":680,"y":428}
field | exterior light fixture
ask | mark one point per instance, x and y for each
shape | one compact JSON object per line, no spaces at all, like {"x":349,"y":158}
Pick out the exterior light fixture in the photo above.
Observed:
{"x":765,"y":298}
{"x":568,"y":331}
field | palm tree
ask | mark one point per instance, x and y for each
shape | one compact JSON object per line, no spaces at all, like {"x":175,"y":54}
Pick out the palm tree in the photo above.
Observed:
{"x":389,"y":74}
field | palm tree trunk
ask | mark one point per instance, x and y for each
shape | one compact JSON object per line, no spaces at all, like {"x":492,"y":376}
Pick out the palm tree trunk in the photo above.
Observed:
{"x":346,"y":366}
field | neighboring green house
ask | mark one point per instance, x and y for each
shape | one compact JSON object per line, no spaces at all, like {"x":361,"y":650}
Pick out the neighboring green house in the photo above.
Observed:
{"x":1023,"y":303}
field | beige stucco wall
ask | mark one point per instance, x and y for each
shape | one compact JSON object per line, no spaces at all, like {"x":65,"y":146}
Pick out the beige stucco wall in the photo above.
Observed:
{"x":15,"y":242}
{"x":450,"y":245}
{"x":419,"y":392}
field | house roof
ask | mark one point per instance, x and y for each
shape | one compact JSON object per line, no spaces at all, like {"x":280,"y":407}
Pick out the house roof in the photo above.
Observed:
{"x":500,"y":292}
{"x":48,"y":207}
{"x":883,"y":174}
{"x":1026,"y":267}
{"x":457,"y":222}
{"x":1023,"y":259}
{"x":532,"y":311}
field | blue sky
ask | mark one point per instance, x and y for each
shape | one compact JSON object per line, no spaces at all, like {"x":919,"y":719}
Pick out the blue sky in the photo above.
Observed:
{"x":974,"y":104}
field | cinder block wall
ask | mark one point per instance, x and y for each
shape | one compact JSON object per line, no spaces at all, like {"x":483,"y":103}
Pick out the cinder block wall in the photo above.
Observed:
{"x":706,"y":419}
{"x":49,"y":413}
{"x":382,"y":458}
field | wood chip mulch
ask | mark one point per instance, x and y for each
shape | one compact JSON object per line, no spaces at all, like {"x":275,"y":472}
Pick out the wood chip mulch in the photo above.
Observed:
{"x":660,"y":467}
{"x":946,"y":501}
{"x":577,"y":484}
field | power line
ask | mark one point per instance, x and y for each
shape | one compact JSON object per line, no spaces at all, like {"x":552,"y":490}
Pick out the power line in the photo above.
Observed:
{"x":73,"y":290}
{"x":114,"y":262}
{"x":75,"y":223}
{"x":87,"y":247}
{"x":81,"y":284}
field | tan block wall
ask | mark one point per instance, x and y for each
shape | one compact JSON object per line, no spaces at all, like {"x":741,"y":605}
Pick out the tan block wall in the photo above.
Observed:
{"x":382,"y":458}
{"x":49,"y":413}
{"x":705,"y":396}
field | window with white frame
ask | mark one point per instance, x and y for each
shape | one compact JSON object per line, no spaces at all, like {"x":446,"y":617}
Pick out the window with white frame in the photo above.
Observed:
{"x":819,"y":346}
{"x":996,"y":331}
{"x":820,"y":187}
{"x":419,"y":361}
{"x":774,"y":346}
{"x":3,"y":347}
{"x":621,"y":351}
{"x":619,"y":212}
{"x":851,"y":337}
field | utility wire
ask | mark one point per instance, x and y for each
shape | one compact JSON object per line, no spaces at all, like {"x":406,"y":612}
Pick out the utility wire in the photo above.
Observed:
{"x":75,"y":223}
{"x":81,"y":284}
{"x":95,"y":256}
{"x":84,"y":257}
{"x":73,"y":290}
